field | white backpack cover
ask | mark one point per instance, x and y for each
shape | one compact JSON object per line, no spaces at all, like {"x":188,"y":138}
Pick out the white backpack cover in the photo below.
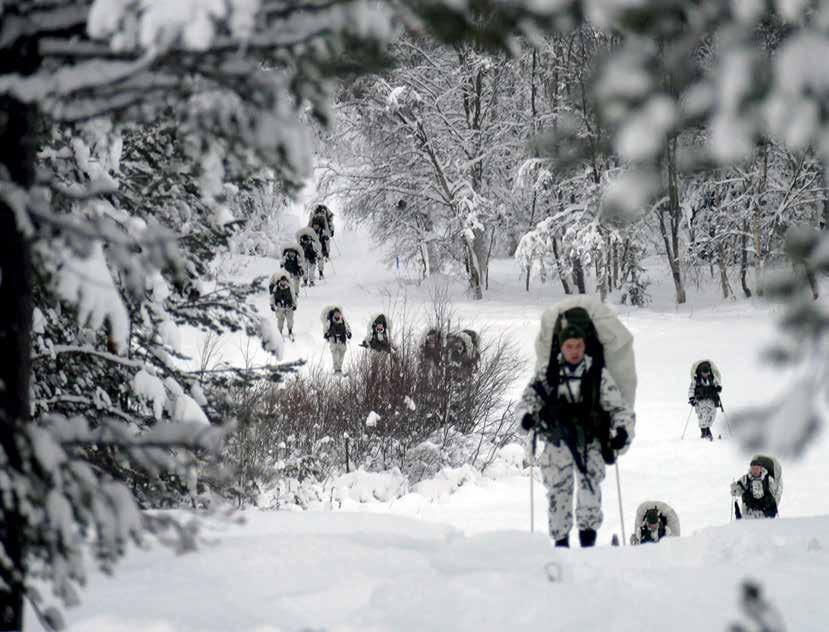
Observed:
{"x":776,"y":472}
{"x":616,"y":340}
{"x":671,"y":518}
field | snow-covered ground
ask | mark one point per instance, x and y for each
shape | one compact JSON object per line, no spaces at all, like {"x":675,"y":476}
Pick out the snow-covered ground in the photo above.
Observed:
{"x":450,"y":557}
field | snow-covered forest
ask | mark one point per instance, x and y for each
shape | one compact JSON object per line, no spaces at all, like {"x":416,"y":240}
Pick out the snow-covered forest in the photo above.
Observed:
{"x":432,"y":178}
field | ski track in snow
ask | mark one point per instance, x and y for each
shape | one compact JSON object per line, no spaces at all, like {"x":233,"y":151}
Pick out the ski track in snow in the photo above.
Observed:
{"x":465,"y":560}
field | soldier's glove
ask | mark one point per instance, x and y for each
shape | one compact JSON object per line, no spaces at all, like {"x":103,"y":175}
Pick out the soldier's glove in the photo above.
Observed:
{"x":735,"y":489}
{"x":326,"y":335}
{"x":634,"y":540}
{"x":273,"y":307}
{"x":719,"y":388}
{"x":692,"y":401}
{"x":348,"y":335}
{"x":620,"y":439}
{"x":294,"y":308}
{"x":527,"y":421}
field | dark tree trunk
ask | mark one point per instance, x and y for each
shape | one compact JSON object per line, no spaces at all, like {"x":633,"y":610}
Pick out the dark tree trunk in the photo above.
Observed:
{"x":17,"y":155}
{"x":15,"y":345}
{"x":578,"y":275}
{"x":744,"y":260}
{"x":674,"y":217}
{"x":564,"y":284}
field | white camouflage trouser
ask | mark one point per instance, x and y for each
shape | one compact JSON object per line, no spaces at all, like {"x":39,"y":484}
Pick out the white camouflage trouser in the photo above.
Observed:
{"x":706,"y":412}
{"x":295,"y":285}
{"x":557,"y":467}
{"x":283,"y":314}
{"x":321,"y":266}
{"x":310,"y":269}
{"x":337,"y":354}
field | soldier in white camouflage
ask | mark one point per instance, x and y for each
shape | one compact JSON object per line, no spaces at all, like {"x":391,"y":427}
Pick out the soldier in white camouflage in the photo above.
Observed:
{"x":704,"y":395}
{"x":759,"y":489}
{"x":568,"y":420}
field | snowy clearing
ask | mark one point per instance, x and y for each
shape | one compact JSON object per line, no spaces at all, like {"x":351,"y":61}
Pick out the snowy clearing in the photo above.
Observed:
{"x":456,"y":553}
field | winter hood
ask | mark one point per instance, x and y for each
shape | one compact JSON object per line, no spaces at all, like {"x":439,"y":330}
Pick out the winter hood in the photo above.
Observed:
{"x":714,"y":370}
{"x":307,"y":230}
{"x":373,"y":320}
{"x":295,"y":247}
{"x":616,"y":340}
{"x":469,"y":339}
{"x":327,"y":312}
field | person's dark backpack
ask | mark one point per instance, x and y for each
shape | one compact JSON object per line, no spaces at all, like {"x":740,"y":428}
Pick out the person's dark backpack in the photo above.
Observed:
{"x":308,"y":248}
{"x":652,"y":516}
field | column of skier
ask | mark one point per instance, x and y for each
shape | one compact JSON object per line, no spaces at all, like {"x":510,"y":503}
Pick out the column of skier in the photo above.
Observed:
{"x":303,"y":262}
{"x":581,"y":401}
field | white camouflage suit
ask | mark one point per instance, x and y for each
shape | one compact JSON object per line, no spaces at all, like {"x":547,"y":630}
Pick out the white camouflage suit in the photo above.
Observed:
{"x":754,"y":486}
{"x":557,"y":463}
{"x":706,"y":409}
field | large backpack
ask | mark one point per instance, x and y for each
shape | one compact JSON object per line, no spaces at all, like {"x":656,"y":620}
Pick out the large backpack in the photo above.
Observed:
{"x":774,"y":469}
{"x":670,"y":517}
{"x":609,"y":344}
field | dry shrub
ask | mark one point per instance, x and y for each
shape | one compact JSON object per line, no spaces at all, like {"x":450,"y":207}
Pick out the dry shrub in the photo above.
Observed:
{"x":434,"y":410}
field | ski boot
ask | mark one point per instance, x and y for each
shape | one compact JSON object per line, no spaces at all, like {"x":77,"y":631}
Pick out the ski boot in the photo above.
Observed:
{"x":564,"y":542}
{"x":587,"y":537}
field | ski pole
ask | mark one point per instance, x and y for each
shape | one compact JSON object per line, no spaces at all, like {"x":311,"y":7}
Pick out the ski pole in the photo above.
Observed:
{"x":686,"y":424}
{"x":532,"y":476}
{"x":728,"y":425}
{"x":621,"y":513}
{"x":731,"y":514}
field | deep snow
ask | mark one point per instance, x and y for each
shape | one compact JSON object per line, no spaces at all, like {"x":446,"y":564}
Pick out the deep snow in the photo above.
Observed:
{"x":461,"y":557}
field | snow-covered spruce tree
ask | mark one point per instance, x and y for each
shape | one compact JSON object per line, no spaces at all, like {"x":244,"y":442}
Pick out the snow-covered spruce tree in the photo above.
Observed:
{"x":78,"y":371}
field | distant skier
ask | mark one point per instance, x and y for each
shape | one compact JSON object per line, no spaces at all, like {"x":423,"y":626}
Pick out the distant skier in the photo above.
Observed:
{"x":654,"y":520}
{"x":431,"y":346}
{"x":378,"y":337}
{"x":463,"y":350}
{"x":704,"y":395}
{"x":324,"y":214}
{"x":575,"y":404}
{"x":318,"y":227}
{"x":293,"y":262}
{"x":312,"y":250}
{"x":337,"y":333}
{"x":760,"y":489}
{"x":283,"y":302}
